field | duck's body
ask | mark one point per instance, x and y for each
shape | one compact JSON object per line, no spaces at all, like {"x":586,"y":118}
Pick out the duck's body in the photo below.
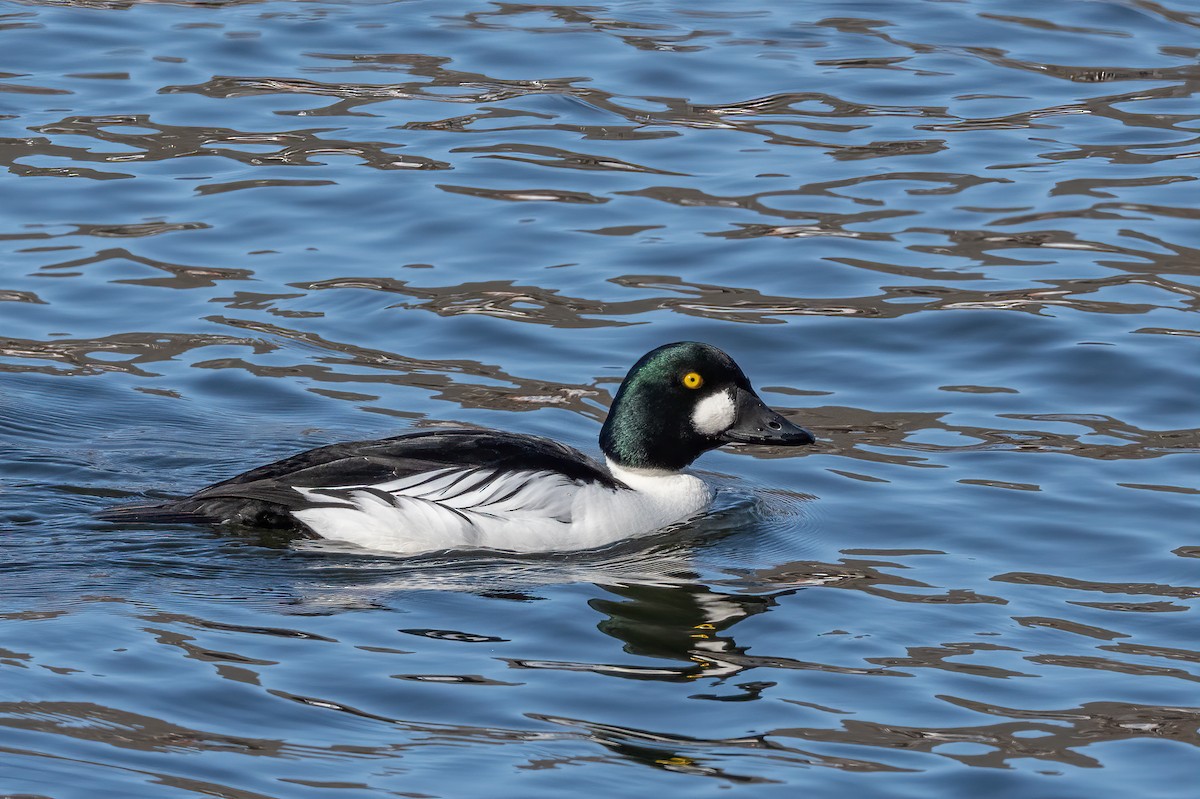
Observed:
{"x":448,"y":489}
{"x":445,"y":489}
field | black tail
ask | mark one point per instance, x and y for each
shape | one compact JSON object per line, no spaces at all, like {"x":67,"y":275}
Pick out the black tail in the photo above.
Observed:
{"x":223,"y":511}
{"x":162,"y":513}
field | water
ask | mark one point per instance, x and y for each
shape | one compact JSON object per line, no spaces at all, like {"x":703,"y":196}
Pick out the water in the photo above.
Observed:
{"x":957,"y":240}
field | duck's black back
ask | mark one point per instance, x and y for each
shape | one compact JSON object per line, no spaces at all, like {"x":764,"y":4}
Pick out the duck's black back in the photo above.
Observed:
{"x":264,"y":497}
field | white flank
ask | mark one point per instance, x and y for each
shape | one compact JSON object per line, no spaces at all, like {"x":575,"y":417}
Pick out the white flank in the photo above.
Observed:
{"x":526,"y":511}
{"x":714,"y":414}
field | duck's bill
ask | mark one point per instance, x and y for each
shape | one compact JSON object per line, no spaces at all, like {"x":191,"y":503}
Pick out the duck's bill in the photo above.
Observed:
{"x":755,"y":423}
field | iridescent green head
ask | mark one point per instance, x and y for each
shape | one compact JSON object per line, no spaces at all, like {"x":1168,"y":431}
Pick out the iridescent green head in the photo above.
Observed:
{"x":681,"y":400}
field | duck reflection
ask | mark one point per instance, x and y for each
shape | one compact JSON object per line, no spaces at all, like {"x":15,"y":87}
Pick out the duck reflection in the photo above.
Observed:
{"x":682,"y":623}
{"x":687,"y":627}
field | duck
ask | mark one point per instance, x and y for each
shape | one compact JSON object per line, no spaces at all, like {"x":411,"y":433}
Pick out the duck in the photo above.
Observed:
{"x":453,"y":489}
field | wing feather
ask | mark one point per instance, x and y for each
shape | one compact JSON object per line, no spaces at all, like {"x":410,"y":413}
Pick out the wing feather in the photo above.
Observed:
{"x":464,"y":481}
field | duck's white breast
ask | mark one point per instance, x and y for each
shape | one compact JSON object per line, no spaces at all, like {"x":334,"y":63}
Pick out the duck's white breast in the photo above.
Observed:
{"x":523,"y":511}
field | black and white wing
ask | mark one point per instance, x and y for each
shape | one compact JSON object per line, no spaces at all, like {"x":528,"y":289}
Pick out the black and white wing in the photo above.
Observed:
{"x":444,"y":488}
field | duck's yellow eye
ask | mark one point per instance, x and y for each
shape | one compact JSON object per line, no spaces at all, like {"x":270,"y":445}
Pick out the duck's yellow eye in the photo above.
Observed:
{"x":693,"y":380}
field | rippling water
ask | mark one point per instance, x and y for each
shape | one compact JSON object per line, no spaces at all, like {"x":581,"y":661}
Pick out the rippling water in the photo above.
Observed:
{"x":959,"y":240}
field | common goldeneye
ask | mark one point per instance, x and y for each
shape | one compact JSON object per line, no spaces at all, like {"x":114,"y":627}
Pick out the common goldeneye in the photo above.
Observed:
{"x":446,"y":489}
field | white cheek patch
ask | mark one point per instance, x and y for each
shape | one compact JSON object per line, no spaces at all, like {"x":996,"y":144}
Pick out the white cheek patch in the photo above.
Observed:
{"x":714,"y":414}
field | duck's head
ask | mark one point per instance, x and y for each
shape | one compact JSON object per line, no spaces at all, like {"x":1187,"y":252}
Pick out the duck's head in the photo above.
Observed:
{"x":680,"y":401}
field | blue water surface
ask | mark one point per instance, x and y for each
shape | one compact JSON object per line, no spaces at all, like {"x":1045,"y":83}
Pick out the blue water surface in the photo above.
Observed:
{"x":958,"y":240}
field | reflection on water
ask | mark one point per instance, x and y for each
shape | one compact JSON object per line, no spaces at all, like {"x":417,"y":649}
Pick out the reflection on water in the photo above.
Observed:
{"x":955,"y":239}
{"x":666,"y":630}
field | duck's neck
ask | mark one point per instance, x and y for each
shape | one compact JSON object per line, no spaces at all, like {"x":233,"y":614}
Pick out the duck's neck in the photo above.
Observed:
{"x":669,"y":496}
{"x":628,"y":474}
{"x":649,"y":436}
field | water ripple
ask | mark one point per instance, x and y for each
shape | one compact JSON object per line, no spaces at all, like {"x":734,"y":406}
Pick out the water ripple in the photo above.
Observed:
{"x":956,"y":240}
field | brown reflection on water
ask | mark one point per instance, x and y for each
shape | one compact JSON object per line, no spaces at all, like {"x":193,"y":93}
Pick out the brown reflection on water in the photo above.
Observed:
{"x":1051,"y":735}
{"x":1111,"y":665}
{"x":88,"y":721}
{"x":433,"y":80}
{"x":759,"y":116}
{"x":83,"y":356}
{"x":540,"y":155}
{"x":861,"y":434}
{"x":857,"y":433}
{"x":181,"y":276}
{"x":143,"y":139}
{"x":1072,"y":583}
{"x":473,"y":87}
{"x":118,"y":231}
{"x":385,"y":367}
{"x":503,"y":299}
{"x":549,"y":306}
{"x":658,"y":37}
{"x":527,"y":195}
